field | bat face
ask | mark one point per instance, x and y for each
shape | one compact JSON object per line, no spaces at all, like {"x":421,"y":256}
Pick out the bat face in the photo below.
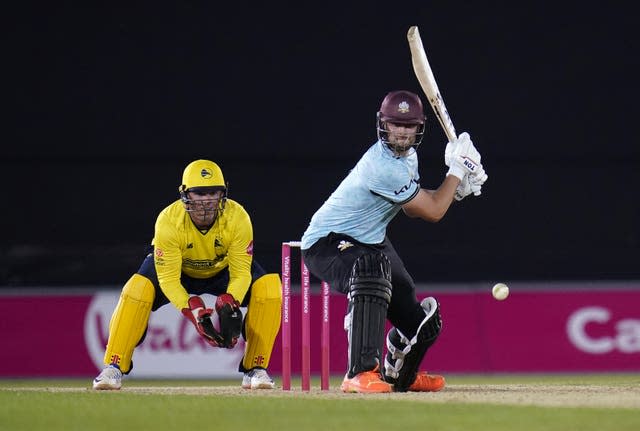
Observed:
{"x":428,"y":83}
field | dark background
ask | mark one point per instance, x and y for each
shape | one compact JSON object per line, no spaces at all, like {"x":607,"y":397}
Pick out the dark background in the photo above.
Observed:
{"x":107,"y":106}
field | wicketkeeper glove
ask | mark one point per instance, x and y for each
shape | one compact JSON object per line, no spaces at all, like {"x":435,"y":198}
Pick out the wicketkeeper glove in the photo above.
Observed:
{"x":200,"y":316}
{"x":461,"y":156}
{"x":230,"y":315}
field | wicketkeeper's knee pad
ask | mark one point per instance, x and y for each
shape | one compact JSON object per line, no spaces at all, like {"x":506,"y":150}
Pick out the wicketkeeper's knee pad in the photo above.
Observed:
{"x":369,"y":298}
{"x":262,"y":321}
{"x":129,"y":321}
{"x":403,"y":355}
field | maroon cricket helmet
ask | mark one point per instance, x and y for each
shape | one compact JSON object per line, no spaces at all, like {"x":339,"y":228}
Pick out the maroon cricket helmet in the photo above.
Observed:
{"x":402,"y":107}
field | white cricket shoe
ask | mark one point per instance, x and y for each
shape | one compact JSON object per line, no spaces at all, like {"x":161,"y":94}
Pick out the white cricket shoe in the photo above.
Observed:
{"x":109,"y":379}
{"x":257,"y":379}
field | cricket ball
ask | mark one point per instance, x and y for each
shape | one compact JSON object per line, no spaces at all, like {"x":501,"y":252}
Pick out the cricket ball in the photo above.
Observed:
{"x":500,"y":291}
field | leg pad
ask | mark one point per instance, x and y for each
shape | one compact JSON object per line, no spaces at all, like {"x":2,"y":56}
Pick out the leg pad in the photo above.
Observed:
{"x":129,"y":321}
{"x":403,"y":355}
{"x":369,"y":298}
{"x":262,"y":322}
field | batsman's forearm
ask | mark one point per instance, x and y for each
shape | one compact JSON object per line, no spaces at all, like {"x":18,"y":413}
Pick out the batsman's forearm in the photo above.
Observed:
{"x":446,"y":191}
{"x":432,"y":205}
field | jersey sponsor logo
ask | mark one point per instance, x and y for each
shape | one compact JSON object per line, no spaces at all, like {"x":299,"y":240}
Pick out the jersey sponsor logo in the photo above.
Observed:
{"x":201,"y":264}
{"x":406,"y":187}
{"x":250,"y":249}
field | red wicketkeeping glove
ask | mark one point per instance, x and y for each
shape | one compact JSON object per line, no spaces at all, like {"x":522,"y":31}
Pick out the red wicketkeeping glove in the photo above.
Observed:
{"x":200,"y":316}
{"x":230,"y":316}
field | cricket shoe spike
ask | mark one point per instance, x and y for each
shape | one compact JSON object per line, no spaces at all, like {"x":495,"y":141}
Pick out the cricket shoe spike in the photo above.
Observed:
{"x":368,"y":382}
{"x":257,"y":379}
{"x":109,"y":379}
{"x":427,"y":382}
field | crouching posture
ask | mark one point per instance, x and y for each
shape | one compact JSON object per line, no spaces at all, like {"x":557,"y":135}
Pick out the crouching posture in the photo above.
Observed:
{"x":346,"y":245}
{"x":203,"y":243}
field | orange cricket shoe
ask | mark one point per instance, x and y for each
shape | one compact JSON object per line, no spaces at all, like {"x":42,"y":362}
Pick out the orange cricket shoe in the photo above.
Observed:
{"x":368,"y":382}
{"x":427,"y":382}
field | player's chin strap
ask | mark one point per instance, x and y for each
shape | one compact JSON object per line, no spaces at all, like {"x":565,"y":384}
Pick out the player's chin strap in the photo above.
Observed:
{"x":403,"y":355}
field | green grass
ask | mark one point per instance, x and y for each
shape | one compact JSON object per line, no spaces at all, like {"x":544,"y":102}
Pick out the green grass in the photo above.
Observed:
{"x":547,"y":379}
{"x":22,"y":407}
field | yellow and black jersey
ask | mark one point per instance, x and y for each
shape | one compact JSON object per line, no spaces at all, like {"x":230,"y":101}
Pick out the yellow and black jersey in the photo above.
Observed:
{"x":179,"y":247}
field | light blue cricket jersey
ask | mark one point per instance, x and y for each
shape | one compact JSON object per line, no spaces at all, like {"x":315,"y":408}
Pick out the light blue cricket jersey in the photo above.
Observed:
{"x":368,"y":198}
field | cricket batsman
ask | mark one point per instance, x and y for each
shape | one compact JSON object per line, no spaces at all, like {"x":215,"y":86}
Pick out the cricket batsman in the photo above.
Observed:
{"x":346,"y":244}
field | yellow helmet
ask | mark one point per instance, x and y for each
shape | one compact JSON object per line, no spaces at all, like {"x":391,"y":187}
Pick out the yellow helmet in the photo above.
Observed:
{"x":202,"y":175}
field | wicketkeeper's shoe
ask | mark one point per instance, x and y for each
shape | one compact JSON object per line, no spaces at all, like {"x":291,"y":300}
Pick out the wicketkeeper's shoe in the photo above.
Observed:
{"x":257,"y":379}
{"x":368,"y":382}
{"x":109,"y":379}
{"x":427,"y":382}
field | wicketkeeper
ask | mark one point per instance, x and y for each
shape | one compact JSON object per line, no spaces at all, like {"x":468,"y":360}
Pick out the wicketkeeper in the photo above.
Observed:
{"x":203,"y":243}
{"x":346,"y":245}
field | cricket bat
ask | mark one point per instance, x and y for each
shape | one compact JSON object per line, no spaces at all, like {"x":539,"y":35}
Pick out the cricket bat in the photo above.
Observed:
{"x":428,"y":83}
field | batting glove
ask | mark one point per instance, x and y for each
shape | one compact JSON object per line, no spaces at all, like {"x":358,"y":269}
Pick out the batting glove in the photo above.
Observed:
{"x":470,"y":184}
{"x":462,"y":157}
